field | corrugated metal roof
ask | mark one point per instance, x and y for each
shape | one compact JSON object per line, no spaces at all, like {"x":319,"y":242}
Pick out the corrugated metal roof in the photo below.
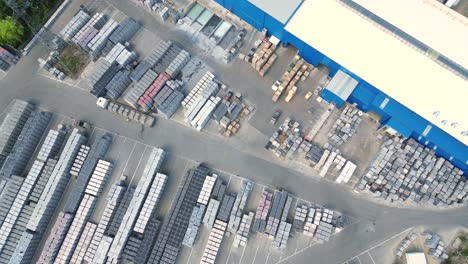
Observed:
{"x":281,"y":10}
{"x":342,"y":85}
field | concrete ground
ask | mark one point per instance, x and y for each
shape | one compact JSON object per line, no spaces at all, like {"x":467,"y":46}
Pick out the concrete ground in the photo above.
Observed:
{"x":242,"y":155}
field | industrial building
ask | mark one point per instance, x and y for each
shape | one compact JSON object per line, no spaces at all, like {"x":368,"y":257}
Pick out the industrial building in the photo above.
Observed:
{"x":411,"y":72}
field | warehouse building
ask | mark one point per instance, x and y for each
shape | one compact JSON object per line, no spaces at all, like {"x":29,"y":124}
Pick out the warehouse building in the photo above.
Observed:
{"x":412,"y":72}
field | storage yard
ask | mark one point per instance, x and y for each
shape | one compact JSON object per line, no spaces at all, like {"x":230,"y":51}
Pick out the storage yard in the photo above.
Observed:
{"x":190,"y":137}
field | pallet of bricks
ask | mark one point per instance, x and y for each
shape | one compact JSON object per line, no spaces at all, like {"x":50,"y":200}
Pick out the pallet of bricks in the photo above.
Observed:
{"x":299,"y":69}
{"x":264,"y":57}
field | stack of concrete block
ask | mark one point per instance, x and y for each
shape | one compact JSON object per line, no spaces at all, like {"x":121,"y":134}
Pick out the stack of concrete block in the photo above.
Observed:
{"x":204,"y":115}
{"x":7,"y":56}
{"x":140,"y":70}
{"x":140,"y":87}
{"x":199,"y":95}
{"x":345,"y":126}
{"x":97,"y":44}
{"x":75,"y":24}
{"x":13,"y":124}
{"x":113,"y":197}
{"x":436,"y":246}
{"x":194,"y":225}
{"x":161,"y":95}
{"x":347,"y":172}
{"x":117,"y":217}
{"x":305,"y":147}
{"x":207,"y":189}
{"x":121,"y":55}
{"x":162,"y":47}
{"x":226,"y":208}
{"x":282,"y":236}
{"x":114,"y":53}
{"x":276,"y":212}
{"x":97,"y":152}
{"x":214,"y":243}
{"x":169,"y":241}
{"x":242,"y":233}
{"x":311,"y":222}
{"x":102,"y":74}
{"x":151,"y":203}
{"x":100,"y":175}
{"x":262,"y":211}
{"x":153,"y":165}
{"x":83,"y":37}
{"x":79,"y":160}
{"x":26,"y":248}
{"x":125,"y":31}
{"x":8,"y":196}
{"x":168,"y":58}
{"x":408,"y":171}
{"x":239,"y":205}
{"x":56,"y":184}
{"x":103,"y":249}
{"x":147,"y":242}
{"x":211,"y":212}
{"x":325,"y":228}
{"x":86,"y":37}
{"x":286,"y":139}
{"x":221,"y":110}
{"x":83,"y":243}
{"x":219,"y":189}
{"x":131,"y":249}
{"x":402,"y":247}
{"x":119,"y":83}
{"x":26,"y":144}
{"x":55,"y":238}
{"x":315,"y":153}
{"x":328,"y":164}
{"x":178,"y":63}
{"x":300,"y":217}
{"x":52,"y":144}
{"x":146,"y":100}
{"x":171,"y":104}
{"x":42,"y":182}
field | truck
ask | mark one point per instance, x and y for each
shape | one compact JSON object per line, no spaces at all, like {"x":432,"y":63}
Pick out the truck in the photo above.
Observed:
{"x":128,"y":113}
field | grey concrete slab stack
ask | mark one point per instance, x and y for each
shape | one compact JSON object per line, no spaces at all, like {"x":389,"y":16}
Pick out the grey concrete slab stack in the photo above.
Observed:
{"x":26,"y":248}
{"x":168,"y":57}
{"x":102,"y":74}
{"x":56,"y":184}
{"x":148,"y":240}
{"x":119,"y":83}
{"x":41,"y":183}
{"x":113,"y":198}
{"x":80,"y":160}
{"x":207,"y":189}
{"x":277,"y":207}
{"x":131,"y":249}
{"x":12,"y":125}
{"x":239,"y":205}
{"x":140,"y":70}
{"x":300,"y":217}
{"x":83,"y":243}
{"x":75,"y":24}
{"x":263,"y":209}
{"x":172,"y":232}
{"x":26,"y":144}
{"x":226,"y":208}
{"x":242,"y":233}
{"x":121,"y":209}
{"x":136,"y":91}
{"x":282,"y":236}
{"x":345,"y":126}
{"x":8,"y":195}
{"x":219,"y":189}
{"x":153,"y":165}
{"x":214,"y":243}
{"x":97,"y":44}
{"x":178,"y":63}
{"x":211,"y":212}
{"x":55,"y":238}
{"x":125,"y":31}
{"x":94,"y":24}
{"x":194,"y":225}
{"x":52,"y":144}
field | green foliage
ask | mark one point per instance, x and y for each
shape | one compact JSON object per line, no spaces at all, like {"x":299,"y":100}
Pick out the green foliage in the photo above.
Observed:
{"x":11,"y":32}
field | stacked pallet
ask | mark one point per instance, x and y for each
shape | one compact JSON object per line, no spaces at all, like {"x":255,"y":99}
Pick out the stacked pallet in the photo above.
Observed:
{"x":178,"y":63}
{"x":56,"y":184}
{"x":311,"y":223}
{"x":91,"y":28}
{"x":113,"y":197}
{"x":347,"y":172}
{"x":147,"y":242}
{"x":140,"y":87}
{"x":325,"y":228}
{"x":153,"y":165}
{"x":119,"y":83}
{"x":43,"y":179}
{"x":207,"y":189}
{"x":276,"y":211}
{"x":300,"y":217}
{"x":79,"y":160}
{"x":83,"y":243}
{"x":125,"y":31}
{"x":139,"y":71}
{"x":211,"y":212}
{"x":328,"y":164}
{"x":117,"y":218}
{"x":129,"y":113}
{"x":13,"y":124}
{"x":286,"y":140}
{"x":97,"y":44}
{"x":55,"y":238}
{"x":239,"y":205}
{"x":170,"y":238}
{"x":151,"y":60}
{"x":194,"y":225}
{"x":296,"y":71}
{"x":345,"y":126}
{"x":264,"y":57}
{"x":262,"y":211}
{"x":26,"y":144}
{"x":131,"y":249}
{"x":99,"y":177}
{"x":151,"y":203}
{"x":314,"y":154}
{"x":75,"y":24}
{"x":244,"y":229}
{"x":102,"y":74}
{"x":121,"y":55}
{"x":146,"y":100}
{"x":10,"y":190}
{"x":204,"y":116}
{"x":168,"y":58}
{"x":171,"y":104}
{"x":282,"y":236}
{"x":206,"y":83}
{"x":214,"y":243}
{"x":226,"y":208}
{"x":52,"y":143}
{"x":26,"y":248}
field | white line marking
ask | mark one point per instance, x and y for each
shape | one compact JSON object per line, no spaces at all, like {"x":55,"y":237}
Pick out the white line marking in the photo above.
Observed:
{"x":190,"y":255}
{"x":256,"y":251}
{"x":138,"y":165}
{"x":63,"y":82}
{"x":242,"y":255}
{"x":370,"y":255}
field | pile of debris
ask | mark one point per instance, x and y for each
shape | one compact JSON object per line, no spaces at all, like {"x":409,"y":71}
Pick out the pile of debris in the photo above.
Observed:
{"x":345,"y":126}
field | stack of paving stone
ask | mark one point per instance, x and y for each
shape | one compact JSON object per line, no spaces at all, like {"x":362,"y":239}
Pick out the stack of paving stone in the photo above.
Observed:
{"x":205,"y":88}
{"x":26,"y":248}
{"x":131,"y":249}
{"x":41,"y":183}
{"x":167,"y":59}
{"x":347,"y":172}
{"x":436,"y":246}
{"x":97,"y":44}
{"x":406,"y":170}
{"x":79,"y":160}
{"x":207,"y":189}
{"x":130,"y":218}
{"x":214,"y":243}
{"x":170,"y":238}
{"x":239,"y":205}
{"x":130,"y":114}
{"x":83,"y":243}
{"x":125,"y":31}
{"x":89,"y":30}
{"x":325,"y":228}
{"x":151,"y":60}
{"x":300,"y":217}
{"x":102,"y":74}
{"x":178,"y":63}
{"x":405,"y":244}
{"x":55,"y":238}
{"x":244,"y":229}
{"x":286,"y":139}
{"x":75,"y":24}
{"x":211,"y":212}
{"x":147,"y":242}
{"x":276,"y":213}
{"x":311,"y":222}
{"x":119,"y":83}
{"x":117,"y":217}
{"x":345,"y":126}
{"x":171,"y":104}
{"x":52,"y":143}
{"x":314,"y":154}
{"x":226,"y":208}
{"x":120,"y":54}
{"x":26,"y":144}
{"x":305,"y":147}
{"x":147,"y":99}
{"x":282,"y":236}
{"x":194,"y":225}
{"x":13,"y":124}
{"x":135,"y":92}
{"x":200,"y":120}
{"x":331,"y":159}
{"x":262,"y":212}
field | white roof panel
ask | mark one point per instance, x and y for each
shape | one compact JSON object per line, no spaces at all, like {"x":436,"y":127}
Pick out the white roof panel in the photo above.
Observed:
{"x":281,"y":10}
{"x":342,"y":85}
{"x":384,"y":61}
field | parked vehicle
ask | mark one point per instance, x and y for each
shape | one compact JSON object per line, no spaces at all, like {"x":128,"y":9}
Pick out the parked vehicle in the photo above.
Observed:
{"x":275,"y":116}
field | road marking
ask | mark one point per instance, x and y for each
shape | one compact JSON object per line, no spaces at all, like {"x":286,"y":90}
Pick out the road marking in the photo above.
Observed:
{"x":126,"y":163}
{"x":5,"y":109}
{"x":359,"y":260}
{"x":63,"y":82}
{"x":256,"y":251}
{"x":190,"y":255}
{"x":370,"y":255}
{"x":242,"y":255}
{"x":138,"y":165}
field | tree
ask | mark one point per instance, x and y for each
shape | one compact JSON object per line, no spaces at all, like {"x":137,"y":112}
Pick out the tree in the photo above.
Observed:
{"x":11,"y":32}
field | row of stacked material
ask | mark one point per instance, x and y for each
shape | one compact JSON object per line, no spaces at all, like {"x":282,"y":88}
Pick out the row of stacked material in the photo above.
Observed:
{"x":146,"y":100}
{"x":178,"y":63}
{"x":75,"y":24}
{"x":83,"y":243}
{"x":239,"y":205}
{"x":169,"y":99}
{"x":226,"y":207}
{"x":406,"y":170}
{"x":213,"y":205}
{"x":127,"y":112}
{"x":286,"y":140}
{"x":264,"y":57}
{"x":101,"y":76}
{"x":12,"y":125}
{"x":214,"y":242}
{"x":99,"y":42}
{"x":118,"y":84}
{"x":89,"y":30}
{"x":121,"y":55}
{"x":125,"y":31}
{"x":345,"y":126}
{"x":299,"y":69}
{"x":167,"y":59}
{"x":261,"y":214}
{"x":80,"y":160}
{"x":151,"y":60}
{"x":279,"y":209}
{"x":242,"y":233}
{"x":319,"y":224}
{"x":169,"y":241}
{"x":135,"y":92}
{"x":6,"y":59}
